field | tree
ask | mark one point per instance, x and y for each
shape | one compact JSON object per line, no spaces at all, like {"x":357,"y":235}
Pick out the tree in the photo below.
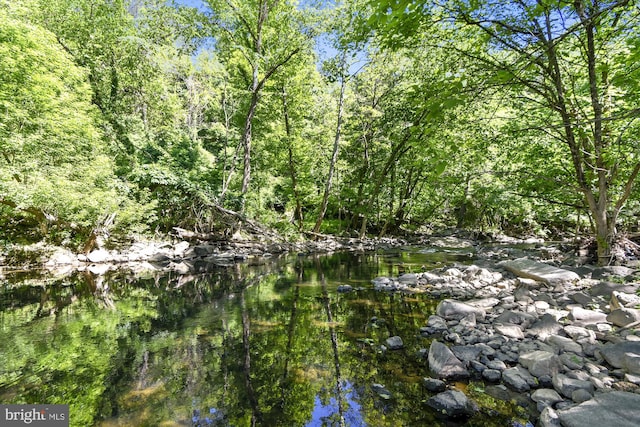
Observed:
{"x":50,"y":142}
{"x":575,"y":64}
{"x":294,"y":144}
{"x":342,"y":77}
{"x":268,"y":34}
{"x":345,"y":20}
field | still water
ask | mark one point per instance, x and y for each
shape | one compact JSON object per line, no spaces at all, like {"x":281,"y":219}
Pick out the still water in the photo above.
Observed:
{"x":269,"y":343}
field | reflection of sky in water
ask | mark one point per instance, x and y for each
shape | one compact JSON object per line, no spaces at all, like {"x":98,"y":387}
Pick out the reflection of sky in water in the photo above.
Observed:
{"x":327,"y":415}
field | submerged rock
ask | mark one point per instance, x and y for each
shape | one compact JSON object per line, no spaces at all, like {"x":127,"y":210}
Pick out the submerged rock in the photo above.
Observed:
{"x":434,"y":385}
{"x":381,"y":391}
{"x":394,"y":343}
{"x":453,"y":403}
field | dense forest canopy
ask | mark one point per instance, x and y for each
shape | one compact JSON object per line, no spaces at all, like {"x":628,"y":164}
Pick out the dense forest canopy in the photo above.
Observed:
{"x":363,"y":117}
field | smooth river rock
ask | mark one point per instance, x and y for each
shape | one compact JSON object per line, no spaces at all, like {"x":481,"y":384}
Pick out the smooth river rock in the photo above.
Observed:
{"x":566,"y":386}
{"x":452,"y":309}
{"x":540,"y":363}
{"x":613,"y":409}
{"x":519,"y":379}
{"x":546,"y":396}
{"x":524,"y":267}
{"x":614,"y":353}
{"x":623,"y":316}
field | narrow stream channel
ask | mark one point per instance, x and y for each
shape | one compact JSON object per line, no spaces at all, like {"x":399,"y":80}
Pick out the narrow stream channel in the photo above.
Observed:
{"x":271,"y":343}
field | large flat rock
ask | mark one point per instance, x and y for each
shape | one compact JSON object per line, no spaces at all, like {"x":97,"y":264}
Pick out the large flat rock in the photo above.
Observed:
{"x":524,"y":267}
{"x":613,"y":409}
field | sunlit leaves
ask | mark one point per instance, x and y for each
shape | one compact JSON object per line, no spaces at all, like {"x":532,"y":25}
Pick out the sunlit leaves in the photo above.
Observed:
{"x":51,"y":155}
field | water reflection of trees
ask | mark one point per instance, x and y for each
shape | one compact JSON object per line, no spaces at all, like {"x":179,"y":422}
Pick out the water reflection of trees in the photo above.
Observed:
{"x":272,"y":344}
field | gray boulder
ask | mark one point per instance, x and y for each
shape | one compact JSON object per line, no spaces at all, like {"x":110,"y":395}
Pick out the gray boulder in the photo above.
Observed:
{"x":508,"y":330}
{"x":632,"y":363}
{"x":546,"y":396}
{"x":540,"y":363}
{"x":607,"y":288}
{"x":492,"y":375}
{"x":62,"y":257}
{"x":587,"y":317}
{"x":444,"y":364}
{"x":546,"y":326}
{"x":524,"y":267}
{"x":566,"y":386}
{"x":519,"y":379}
{"x":622,"y":355}
{"x":466,"y":353}
{"x":484,"y":303}
{"x":626,"y":299}
{"x":549,"y":418}
{"x":572,"y":361}
{"x":408,"y":279}
{"x":564,"y":343}
{"x":453,"y":403}
{"x":452,"y":309}
{"x":581,"y":395}
{"x":623,"y":316}
{"x":581,"y":298}
{"x":613,"y":409}
{"x":160,"y":258}
{"x":580,"y":333}
{"x":611,"y":271}
{"x":437,"y":323}
{"x":515,"y":318}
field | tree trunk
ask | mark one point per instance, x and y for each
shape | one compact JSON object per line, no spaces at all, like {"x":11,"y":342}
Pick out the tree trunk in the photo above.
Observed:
{"x":292,"y":166}
{"x":336,"y":145}
{"x":462,"y":211}
{"x":246,"y":134}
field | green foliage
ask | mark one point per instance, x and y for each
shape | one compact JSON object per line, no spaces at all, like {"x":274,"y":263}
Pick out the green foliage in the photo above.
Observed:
{"x":155,"y":111}
{"x":54,"y":168}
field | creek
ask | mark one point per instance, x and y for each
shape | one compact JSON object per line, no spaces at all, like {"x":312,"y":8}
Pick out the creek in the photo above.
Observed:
{"x":268,"y":342}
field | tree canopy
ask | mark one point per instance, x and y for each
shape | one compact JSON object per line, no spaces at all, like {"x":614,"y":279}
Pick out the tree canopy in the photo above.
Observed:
{"x":365,"y":117}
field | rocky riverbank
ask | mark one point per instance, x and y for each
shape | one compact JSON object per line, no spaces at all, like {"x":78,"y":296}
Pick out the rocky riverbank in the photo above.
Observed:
{"x":566,"y":339}
{"x":179,"y":256}
{"x":193,"y":254}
